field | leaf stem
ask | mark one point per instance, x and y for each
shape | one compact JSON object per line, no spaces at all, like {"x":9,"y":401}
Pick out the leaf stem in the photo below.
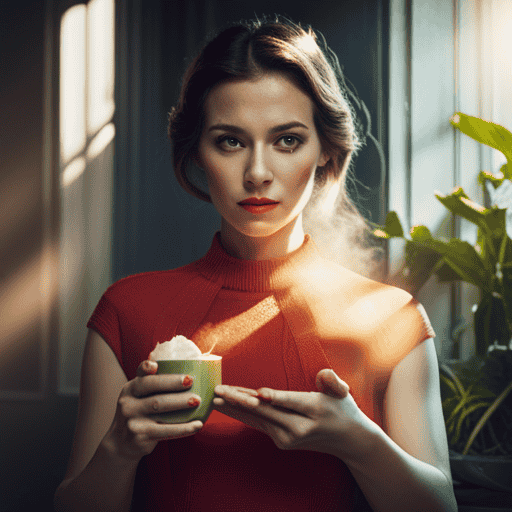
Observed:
{"x":454,"y":377}
{"x":486,"y":416}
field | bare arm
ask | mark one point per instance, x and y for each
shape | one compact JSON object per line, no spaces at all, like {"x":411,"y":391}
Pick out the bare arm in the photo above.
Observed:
{"x":95,"y":463}
{"x":407,"y":467}
{"x":114,"y":430}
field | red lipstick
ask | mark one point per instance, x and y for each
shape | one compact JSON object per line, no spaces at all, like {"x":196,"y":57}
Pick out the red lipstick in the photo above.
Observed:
{"x":258,"y":205}
{"x":264,"y":208}
{"x":258,"y":201}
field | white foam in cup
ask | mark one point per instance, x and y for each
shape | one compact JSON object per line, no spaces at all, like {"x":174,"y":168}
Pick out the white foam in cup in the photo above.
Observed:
{"x":182,"y":356}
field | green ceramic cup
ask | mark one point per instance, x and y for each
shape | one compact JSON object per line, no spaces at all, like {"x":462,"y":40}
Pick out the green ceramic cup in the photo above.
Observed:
{"x":207,"y":373}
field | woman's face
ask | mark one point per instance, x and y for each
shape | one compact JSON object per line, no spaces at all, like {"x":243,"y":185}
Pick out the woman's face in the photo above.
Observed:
{"x":259,"y":141}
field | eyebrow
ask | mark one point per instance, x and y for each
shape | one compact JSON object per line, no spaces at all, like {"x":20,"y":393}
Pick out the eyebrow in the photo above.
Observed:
{"x":275,"y":129}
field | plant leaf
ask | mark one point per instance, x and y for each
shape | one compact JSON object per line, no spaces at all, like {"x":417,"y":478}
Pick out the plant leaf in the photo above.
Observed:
{"x":420,"y":262}
{"x":446,"y":381}
{"x":454,"y":377}
{"x":459,"y":203}
{"x":466,"y":413}
{"x":463,"y":403}
{"x":445,"y":273}
{"x":506,"y":170}
{"x":490,"y":323}
{"x":492,"y":221}
{"x":486,"y":176}
{"x":459,"y":255}
{"x":490,"y":134}
{"x":393,"y":226}
{"x":486,"y":416}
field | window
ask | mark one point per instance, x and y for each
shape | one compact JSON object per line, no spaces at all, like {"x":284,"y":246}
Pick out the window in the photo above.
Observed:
{"x":86,"y":138}
{"x":445,"y":57}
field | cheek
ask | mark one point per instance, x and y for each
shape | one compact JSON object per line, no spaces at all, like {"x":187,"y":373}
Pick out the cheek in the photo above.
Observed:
{"x":305,"y":174}
{"x":218,"y":185}
{"x":215,"y":176}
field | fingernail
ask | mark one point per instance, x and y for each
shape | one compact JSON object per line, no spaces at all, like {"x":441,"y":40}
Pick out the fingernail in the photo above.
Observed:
{"x":264,"y":398}
{"x":150,"y":368}
{"x":193,"y":402}
{"x":187,"y":381}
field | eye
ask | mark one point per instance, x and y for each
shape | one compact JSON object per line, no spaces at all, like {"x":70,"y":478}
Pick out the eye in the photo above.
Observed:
{"x":289,"y":142}
{"x":228,"y":143}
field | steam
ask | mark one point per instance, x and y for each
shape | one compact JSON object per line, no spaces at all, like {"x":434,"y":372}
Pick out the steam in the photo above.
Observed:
{"x":212,"y":347}
{"x":340,"y":232}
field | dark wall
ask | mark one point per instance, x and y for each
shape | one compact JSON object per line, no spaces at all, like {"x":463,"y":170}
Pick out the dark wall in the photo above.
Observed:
{"x":36,"y":431}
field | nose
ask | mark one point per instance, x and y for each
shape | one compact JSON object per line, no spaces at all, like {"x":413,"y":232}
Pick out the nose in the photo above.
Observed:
{"x":258,"y":171}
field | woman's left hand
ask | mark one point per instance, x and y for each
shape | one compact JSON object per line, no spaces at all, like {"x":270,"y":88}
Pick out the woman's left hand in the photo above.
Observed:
{"x":327,"y":421}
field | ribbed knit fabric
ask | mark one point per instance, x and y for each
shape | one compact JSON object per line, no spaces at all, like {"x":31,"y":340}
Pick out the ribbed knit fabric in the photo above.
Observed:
{"x":276,"y":323}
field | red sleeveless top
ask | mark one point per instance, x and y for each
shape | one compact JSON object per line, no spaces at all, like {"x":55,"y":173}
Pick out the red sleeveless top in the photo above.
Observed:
{"x":276,"y":323}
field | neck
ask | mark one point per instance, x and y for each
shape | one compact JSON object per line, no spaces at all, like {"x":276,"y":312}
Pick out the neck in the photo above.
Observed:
{"x":256,"y":248}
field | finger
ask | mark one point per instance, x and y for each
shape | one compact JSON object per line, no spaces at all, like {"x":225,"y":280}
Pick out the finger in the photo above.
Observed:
{"x":233,"y":396}
{"x":294,"y":401}
{"x":147,"y":367}
{"x":330,"y":384}
{"x":269,"y":419}
{"x":251,"y":392}
{"x":151,"y":384}
{"x":222,"y":388}
{"x":167,"y":431}
{"x":241,"y":403}
{"x":160,"y":403}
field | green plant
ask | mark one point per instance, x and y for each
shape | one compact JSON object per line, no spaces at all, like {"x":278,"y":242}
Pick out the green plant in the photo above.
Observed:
{"x":477,"y":394}
{"x":477,"y":404}
{"x":487,"y":264}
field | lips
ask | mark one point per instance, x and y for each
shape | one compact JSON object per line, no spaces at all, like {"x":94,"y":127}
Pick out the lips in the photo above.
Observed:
{"x":258,"y":201}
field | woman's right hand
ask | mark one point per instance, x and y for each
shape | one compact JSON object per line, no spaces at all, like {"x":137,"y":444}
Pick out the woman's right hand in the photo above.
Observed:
{"x":134,"y":431}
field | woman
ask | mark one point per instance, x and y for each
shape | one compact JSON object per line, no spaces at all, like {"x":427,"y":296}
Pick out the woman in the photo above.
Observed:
{"x":330,"y":380}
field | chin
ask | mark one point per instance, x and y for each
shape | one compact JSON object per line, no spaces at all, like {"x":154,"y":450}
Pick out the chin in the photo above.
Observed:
{"x":256,"y":229}
{"x":258,"y":232}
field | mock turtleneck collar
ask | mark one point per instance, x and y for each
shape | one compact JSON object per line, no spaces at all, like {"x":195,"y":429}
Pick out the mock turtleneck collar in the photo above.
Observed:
{"x":254,"y":276}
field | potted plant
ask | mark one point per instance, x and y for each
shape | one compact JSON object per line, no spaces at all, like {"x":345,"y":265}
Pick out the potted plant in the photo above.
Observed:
{"x":476,"y":394}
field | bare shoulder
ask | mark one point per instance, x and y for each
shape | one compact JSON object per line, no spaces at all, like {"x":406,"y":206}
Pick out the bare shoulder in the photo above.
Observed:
{"x":384,"y":320}
{"x":372,"y":306}
{"x":378,"y":299}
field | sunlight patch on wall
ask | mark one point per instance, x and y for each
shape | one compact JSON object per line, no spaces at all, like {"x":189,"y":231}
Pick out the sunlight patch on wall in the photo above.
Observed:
{"x":73,"y":171}
{"x":101,"y":141}
{"x":23,"y":362}
{"x":72,"y":82}
{"x":87,"y":132}
{"x":87,"y":74}
{"x":100,"y":64}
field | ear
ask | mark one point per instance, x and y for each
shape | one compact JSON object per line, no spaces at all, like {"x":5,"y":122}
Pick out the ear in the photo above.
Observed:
{"x":324,"y":158}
